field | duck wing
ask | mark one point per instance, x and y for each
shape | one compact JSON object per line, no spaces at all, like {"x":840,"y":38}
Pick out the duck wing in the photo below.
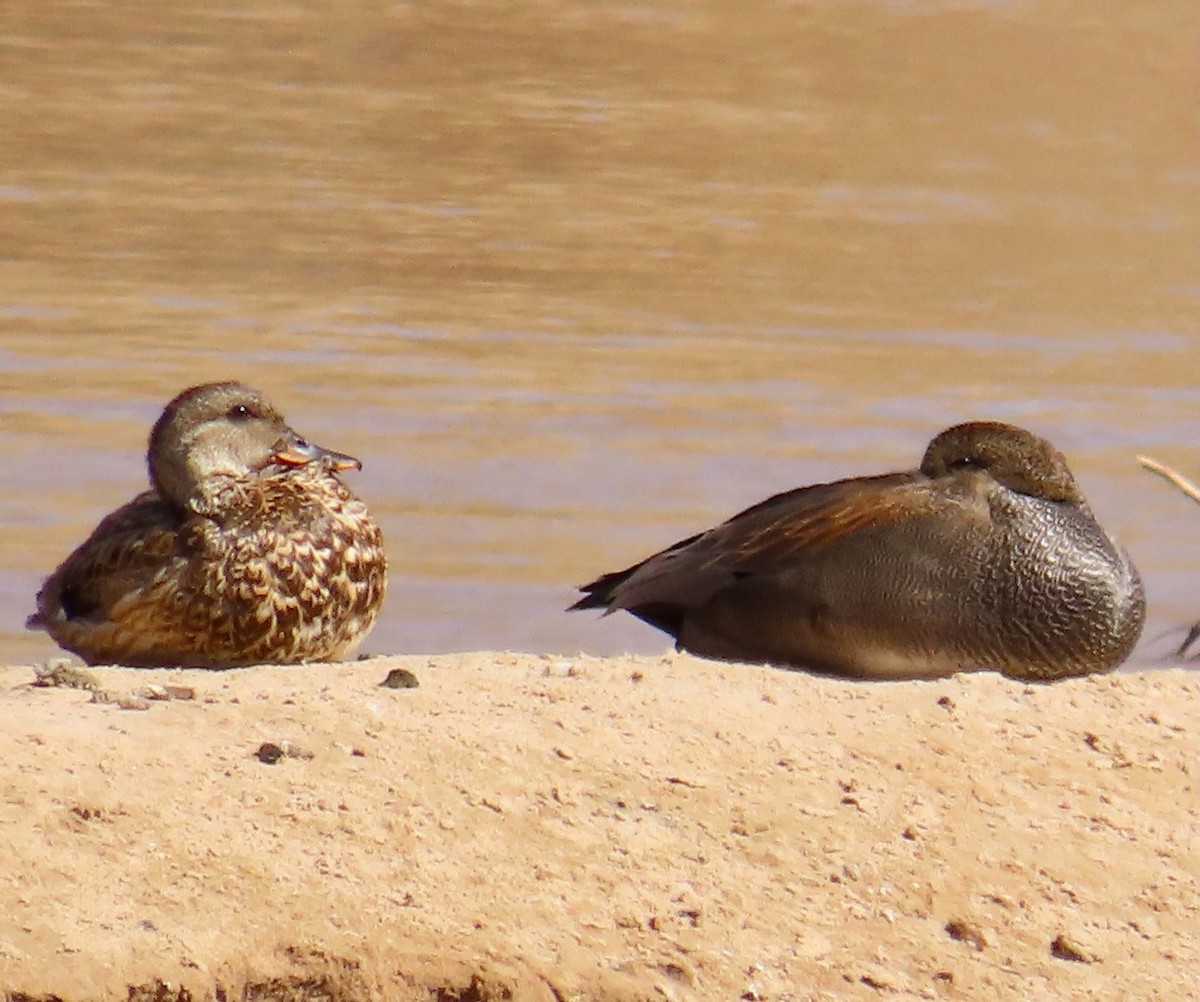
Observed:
{"x":124,"y":554}
{"x":771,"y":536}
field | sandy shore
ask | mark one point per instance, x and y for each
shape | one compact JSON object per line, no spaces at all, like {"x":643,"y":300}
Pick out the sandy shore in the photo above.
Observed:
{"x":526,"y":827}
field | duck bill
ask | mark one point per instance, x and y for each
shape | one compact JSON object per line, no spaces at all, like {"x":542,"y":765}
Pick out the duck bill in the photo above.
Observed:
{"x":295,"y":451}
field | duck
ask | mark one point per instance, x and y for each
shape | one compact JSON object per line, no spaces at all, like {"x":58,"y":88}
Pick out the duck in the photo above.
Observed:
{"x":247,"y":549}
{"x":985,"y":557}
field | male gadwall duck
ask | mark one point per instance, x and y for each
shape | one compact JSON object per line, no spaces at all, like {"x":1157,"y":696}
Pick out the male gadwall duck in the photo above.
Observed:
{"x":987,"y":557}
{"x":247,"y":550}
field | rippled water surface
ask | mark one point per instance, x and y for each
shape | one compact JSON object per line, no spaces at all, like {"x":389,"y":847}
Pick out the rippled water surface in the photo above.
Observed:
{"x":576,"y":279}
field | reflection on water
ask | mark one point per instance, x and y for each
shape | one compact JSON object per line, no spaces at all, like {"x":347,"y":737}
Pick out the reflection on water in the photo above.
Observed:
{"x":578,"y":280}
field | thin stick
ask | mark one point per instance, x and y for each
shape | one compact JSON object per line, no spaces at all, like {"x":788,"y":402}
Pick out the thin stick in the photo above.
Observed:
{"x":1178,"y":479}
{"x":1193,"y":635}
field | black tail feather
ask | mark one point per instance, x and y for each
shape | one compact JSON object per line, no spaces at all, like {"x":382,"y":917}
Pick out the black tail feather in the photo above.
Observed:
{"x":599,"y":594}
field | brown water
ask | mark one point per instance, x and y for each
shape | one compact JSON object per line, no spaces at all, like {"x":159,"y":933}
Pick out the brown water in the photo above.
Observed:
{"x":574,"y":279}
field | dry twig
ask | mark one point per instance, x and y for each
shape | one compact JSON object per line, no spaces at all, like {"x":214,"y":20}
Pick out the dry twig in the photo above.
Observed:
{"x":1174,"y":476}
{"x":1192,"y":491}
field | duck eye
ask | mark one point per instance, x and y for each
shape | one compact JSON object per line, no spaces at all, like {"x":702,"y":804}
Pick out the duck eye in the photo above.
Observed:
{"x":239,"y":412}
{"x":968,"y":463}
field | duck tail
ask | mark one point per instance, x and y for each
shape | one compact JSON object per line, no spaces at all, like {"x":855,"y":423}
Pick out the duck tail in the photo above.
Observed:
{"x":599,"y":594}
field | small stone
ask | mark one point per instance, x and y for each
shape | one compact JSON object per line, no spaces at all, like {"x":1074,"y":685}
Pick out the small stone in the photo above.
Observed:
{"x":62,"y":673}
{"x":1066,"y":947}
{"x":291,"y":750}
{"x":88,"y":813}
{"x":560,"y":668}
{"x":879,"y":978}
{"x":132,"y":701}
{"x":400,"y":678}
{"x":268,"y":753}
{"x":965,"y":931}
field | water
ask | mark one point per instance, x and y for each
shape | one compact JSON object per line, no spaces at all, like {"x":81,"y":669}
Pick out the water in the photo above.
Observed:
{"x":575,"y":280}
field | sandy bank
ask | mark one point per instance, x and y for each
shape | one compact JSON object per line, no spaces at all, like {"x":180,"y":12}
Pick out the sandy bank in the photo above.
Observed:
{"x":575,"y":828}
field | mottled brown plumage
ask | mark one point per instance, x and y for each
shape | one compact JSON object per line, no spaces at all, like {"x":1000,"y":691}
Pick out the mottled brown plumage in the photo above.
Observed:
{"x":249,"y":549}
{"x":987,"y":556}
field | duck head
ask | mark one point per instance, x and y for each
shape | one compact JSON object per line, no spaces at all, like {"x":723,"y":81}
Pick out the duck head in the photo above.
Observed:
{"x":1012,"y":456}
{"x":226,"y":428}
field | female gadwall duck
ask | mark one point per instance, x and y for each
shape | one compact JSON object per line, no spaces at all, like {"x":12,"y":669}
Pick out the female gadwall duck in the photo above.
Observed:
{"x":247,"y":550}
{"x":986,"y":557}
